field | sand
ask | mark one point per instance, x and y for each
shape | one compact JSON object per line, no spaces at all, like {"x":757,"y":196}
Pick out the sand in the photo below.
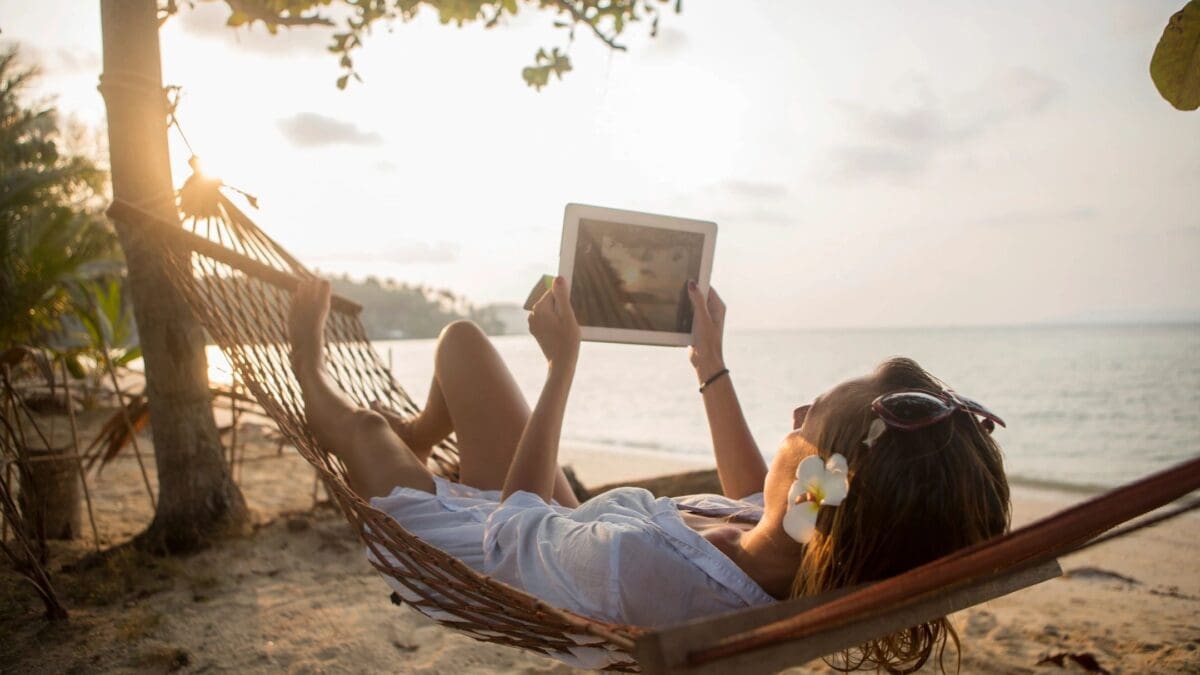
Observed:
{"x":298,"y":596}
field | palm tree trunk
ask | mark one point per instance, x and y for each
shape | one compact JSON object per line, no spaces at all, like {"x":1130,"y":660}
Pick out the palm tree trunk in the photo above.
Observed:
{"x":197,"y":498}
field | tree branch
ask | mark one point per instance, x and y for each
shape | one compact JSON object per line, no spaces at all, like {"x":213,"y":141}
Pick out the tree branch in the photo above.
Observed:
{"x":257,"y":12}
{"x":569,"y":7}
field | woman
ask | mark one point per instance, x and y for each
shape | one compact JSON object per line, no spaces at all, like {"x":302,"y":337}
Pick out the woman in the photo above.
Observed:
{"x":881,"y":474}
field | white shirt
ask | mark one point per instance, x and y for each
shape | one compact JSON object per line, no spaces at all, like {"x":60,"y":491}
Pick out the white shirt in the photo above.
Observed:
{"x":622,"y":556}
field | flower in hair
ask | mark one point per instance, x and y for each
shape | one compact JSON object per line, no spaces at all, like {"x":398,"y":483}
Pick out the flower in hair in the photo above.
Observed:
{"x":817,"y":484}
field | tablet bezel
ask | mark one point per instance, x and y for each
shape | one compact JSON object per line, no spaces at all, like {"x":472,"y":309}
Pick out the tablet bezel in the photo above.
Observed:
{"x":566,"y":265}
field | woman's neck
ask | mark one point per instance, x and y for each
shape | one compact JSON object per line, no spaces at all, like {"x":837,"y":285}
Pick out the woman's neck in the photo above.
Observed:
{"x":769,"y":556}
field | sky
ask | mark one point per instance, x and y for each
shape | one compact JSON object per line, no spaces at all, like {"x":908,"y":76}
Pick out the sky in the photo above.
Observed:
{"x":868,"y":164}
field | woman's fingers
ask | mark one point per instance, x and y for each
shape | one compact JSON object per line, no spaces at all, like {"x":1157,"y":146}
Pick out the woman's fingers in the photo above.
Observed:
{"x":562,"y":298}
{"x":716,"y":306}
{"x":552,"y":322}
{"x":699,"y":304}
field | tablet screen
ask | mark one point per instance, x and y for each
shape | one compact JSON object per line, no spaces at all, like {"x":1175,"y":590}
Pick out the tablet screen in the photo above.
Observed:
{"x":634,"y":276}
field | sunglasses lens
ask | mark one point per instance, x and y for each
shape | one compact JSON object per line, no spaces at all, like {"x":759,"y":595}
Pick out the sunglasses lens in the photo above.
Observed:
{"x":913,"y":406}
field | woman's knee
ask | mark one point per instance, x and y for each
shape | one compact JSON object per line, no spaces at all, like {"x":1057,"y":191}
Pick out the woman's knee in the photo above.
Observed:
{"x":364,"y":423}
{"x":461,"y":330}
{"x":461,"y":338}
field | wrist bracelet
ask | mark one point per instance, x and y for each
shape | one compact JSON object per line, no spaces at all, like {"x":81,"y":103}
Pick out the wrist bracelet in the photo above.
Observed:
{"x":720,"y":373}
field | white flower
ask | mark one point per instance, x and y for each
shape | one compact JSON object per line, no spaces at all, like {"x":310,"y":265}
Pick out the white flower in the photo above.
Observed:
{"x":817,"y":484}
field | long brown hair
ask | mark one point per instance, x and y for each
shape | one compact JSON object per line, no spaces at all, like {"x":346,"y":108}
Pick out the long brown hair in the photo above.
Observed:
{"x":914,"y":496}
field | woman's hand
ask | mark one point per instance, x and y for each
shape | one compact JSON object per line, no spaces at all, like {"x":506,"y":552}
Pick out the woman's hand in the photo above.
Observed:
{"x":708,"y":328}
{"x":554,"y":326}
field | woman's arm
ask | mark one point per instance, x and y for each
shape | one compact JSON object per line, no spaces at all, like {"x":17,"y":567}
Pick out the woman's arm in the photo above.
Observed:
{"x":534,"y":466}
{"x":740,"y":465}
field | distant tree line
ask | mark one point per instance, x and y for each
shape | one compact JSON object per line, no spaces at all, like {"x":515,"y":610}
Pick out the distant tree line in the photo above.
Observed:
{"x":393,"y":309}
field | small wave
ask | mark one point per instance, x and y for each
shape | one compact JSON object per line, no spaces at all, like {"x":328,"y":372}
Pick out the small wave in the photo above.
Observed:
{"x":1057,"y":485}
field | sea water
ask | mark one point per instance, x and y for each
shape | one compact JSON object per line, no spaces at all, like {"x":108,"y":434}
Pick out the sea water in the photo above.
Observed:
{"x":1086,"y":406}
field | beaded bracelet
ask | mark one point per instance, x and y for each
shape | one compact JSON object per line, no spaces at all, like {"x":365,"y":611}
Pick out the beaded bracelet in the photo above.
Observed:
{"x":714,"y":378}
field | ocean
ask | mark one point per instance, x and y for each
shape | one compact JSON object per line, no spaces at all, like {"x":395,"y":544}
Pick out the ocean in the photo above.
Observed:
{"x":1087,"y":406}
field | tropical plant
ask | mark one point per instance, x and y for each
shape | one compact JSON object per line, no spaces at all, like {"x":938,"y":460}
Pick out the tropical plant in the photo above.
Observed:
{"x":106,"y":338}
{"x":51,"y":231}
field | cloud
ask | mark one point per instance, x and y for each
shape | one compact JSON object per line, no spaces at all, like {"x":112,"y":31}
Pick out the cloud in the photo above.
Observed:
{"x":753,"y":189}
{"x":668,"y":44}
{"x":310,"y":130}
{"x":898,"y":164}
{"x":1184,"y":231}
{"x":56,"y":60}
{"x":743,"y":202}
{"x":208,"y":21}
{"x":901,"y":143}
{"x":1004,"y":97}
{"x":1039,"y":217}
{"x":73,"y":61}
{"x":756,"y":216}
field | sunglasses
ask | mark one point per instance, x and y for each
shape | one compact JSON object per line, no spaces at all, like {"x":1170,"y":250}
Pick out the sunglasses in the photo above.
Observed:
{"x":917,"y":409}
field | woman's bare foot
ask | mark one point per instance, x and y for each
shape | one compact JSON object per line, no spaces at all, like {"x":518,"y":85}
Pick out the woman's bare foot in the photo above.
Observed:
{"x":306,"y":326}
{"x":408,"y":429}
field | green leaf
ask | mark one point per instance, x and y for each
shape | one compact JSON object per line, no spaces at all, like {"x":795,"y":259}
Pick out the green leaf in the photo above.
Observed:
{"x":536,"y":77}
{"x":1175,"y":66}
{"x":130,"y":355}
{"x":341,"y":81}
{"x":74,"y":367}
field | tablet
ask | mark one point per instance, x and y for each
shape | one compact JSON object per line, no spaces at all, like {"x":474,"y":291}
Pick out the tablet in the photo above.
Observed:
{"x":628,"y":273}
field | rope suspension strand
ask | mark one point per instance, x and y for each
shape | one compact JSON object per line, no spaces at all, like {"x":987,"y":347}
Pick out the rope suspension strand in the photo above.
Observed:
{"x":133,"y":82}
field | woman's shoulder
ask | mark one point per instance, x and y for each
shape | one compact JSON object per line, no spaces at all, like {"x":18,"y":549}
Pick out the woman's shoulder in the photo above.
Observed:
{"x":715,"y":501}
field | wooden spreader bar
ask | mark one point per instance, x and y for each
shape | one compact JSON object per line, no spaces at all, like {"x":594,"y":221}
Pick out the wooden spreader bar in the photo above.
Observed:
{"x":668,"y":650}
{"x":127,"y":213}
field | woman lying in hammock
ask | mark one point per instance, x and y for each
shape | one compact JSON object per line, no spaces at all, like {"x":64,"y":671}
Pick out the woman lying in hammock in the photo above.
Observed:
{"x":881,"y":474}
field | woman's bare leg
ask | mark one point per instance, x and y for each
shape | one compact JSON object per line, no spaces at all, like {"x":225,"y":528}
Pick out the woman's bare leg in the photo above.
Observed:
{"x":375,"y":456}
{"x":474,"y":395}
{"x":432,"y":426}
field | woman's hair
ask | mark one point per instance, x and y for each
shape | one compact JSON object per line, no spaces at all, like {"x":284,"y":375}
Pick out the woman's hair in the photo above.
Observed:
{"x":914,"y":496}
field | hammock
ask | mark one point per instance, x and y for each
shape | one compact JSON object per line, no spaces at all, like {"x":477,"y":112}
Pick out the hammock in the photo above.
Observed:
{"x":239,"y":282}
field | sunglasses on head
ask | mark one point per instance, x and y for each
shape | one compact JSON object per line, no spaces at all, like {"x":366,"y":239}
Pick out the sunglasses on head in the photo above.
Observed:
{"x":916,"y":409}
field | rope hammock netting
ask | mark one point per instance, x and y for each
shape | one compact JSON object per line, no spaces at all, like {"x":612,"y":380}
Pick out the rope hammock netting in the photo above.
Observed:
{"x":239,"y":283}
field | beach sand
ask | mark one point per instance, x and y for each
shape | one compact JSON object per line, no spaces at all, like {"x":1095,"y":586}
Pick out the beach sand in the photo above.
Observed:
{"x":298,"y":596}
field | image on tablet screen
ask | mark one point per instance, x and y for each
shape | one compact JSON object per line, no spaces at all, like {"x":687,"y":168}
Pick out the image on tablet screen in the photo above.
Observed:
{"x":635,"y":277}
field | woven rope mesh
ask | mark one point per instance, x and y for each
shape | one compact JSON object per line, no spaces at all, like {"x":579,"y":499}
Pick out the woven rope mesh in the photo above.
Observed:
{"x":243,"y":300}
